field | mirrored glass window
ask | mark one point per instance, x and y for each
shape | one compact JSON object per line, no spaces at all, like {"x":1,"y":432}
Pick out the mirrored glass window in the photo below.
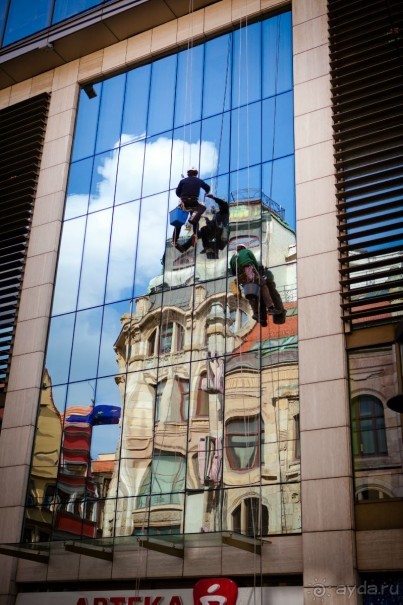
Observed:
{"x":110,"y":114}
{"x":64,"y":9}
{"x":134,"y":125}
{"x":25,"y":18}
{"x":86,"y":124}
{"x":163,"y":78}
{"x":172,"y":364}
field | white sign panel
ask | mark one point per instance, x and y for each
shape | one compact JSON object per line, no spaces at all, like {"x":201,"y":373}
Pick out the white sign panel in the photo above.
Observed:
{"x":282,"y":595}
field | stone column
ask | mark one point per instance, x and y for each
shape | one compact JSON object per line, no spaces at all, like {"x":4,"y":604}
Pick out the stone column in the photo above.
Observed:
{"x":329,"y":557}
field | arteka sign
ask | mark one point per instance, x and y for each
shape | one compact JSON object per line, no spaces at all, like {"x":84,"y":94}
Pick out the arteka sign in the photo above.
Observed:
{"x":211,"y":591}
{"x":216,"y":591}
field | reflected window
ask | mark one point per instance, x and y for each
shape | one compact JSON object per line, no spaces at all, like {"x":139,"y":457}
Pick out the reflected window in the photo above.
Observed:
{"x":50,"y":498}
{"x":159,"y":389}
{"x":151,"y":344}
{"x":202,"y":403}
{"x":183,"y":385}
{"x":172,"y":338}
{"x":178,"y":404}
{"x":167,"y":332}
{"x":250,"y":241}
{"x":185,"y":260}
{"x":239,"y":319}
{"x":251,"y":518}
{"x":163,"y":481}
{"x":368,"y":425}
{"x":88,"y":507}
{"x":371,"y":493}
{"x":243,"y":443}
{"x":180,"y":337}
{"x":64,"y":503}
{"x":156,"y":530}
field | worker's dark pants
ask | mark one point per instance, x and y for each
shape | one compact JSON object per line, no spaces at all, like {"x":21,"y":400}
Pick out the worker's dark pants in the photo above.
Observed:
{"x":207,"y":234}
{"x":212,"y":237}
{"x":190,"y":204}
{"x":249,"y":274}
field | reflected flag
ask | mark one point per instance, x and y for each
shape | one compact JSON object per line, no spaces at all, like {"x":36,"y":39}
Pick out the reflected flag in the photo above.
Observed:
{"x":105,"y":414}
{"x":98,"y":415}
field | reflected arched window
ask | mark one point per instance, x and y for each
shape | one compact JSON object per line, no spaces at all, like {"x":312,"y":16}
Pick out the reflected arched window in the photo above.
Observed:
{"x":368,"y":426}
{"x":167,"y":339}
{"x":243,"y":439}
{"x":251,"y":518}
{"x":371,"y":493}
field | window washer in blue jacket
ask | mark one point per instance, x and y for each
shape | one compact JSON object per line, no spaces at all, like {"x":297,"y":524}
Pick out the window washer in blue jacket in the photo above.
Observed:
{"x":188,"y":190}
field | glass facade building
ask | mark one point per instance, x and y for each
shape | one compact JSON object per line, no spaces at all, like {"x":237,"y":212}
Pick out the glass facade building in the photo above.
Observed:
{"x":153,"y":363}
{"x":211,"y":412}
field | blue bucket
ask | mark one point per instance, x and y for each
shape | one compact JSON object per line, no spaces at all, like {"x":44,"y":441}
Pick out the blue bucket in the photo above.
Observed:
{"x":178,"y":217}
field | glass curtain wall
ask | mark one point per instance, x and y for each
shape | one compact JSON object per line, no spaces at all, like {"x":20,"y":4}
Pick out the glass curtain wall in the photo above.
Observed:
{"x":170,"y":393}
{"x":21,"y":18}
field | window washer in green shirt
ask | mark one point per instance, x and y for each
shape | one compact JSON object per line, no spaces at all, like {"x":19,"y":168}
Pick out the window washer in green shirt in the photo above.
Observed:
{"x":245,"y":267}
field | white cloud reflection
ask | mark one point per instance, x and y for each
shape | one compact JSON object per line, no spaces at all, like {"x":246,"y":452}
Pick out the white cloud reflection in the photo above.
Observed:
{"x":120,"y":177}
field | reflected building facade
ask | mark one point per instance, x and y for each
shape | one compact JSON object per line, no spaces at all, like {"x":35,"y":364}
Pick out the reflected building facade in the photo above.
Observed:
{"x":155,"y":431}
{"x":209,"y":434}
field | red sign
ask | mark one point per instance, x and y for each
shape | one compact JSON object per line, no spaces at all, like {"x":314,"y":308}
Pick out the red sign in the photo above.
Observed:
{"x":215,"y":591}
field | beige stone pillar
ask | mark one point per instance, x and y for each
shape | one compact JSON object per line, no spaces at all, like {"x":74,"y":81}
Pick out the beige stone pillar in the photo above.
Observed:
{"x":23,"y":390}
{"x":329,"y":557}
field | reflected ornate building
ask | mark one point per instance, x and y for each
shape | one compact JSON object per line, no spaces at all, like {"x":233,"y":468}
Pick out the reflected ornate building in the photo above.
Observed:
{"x":210,"y":428}
{"x":376,"y":430}
{"x":45,"y":466}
